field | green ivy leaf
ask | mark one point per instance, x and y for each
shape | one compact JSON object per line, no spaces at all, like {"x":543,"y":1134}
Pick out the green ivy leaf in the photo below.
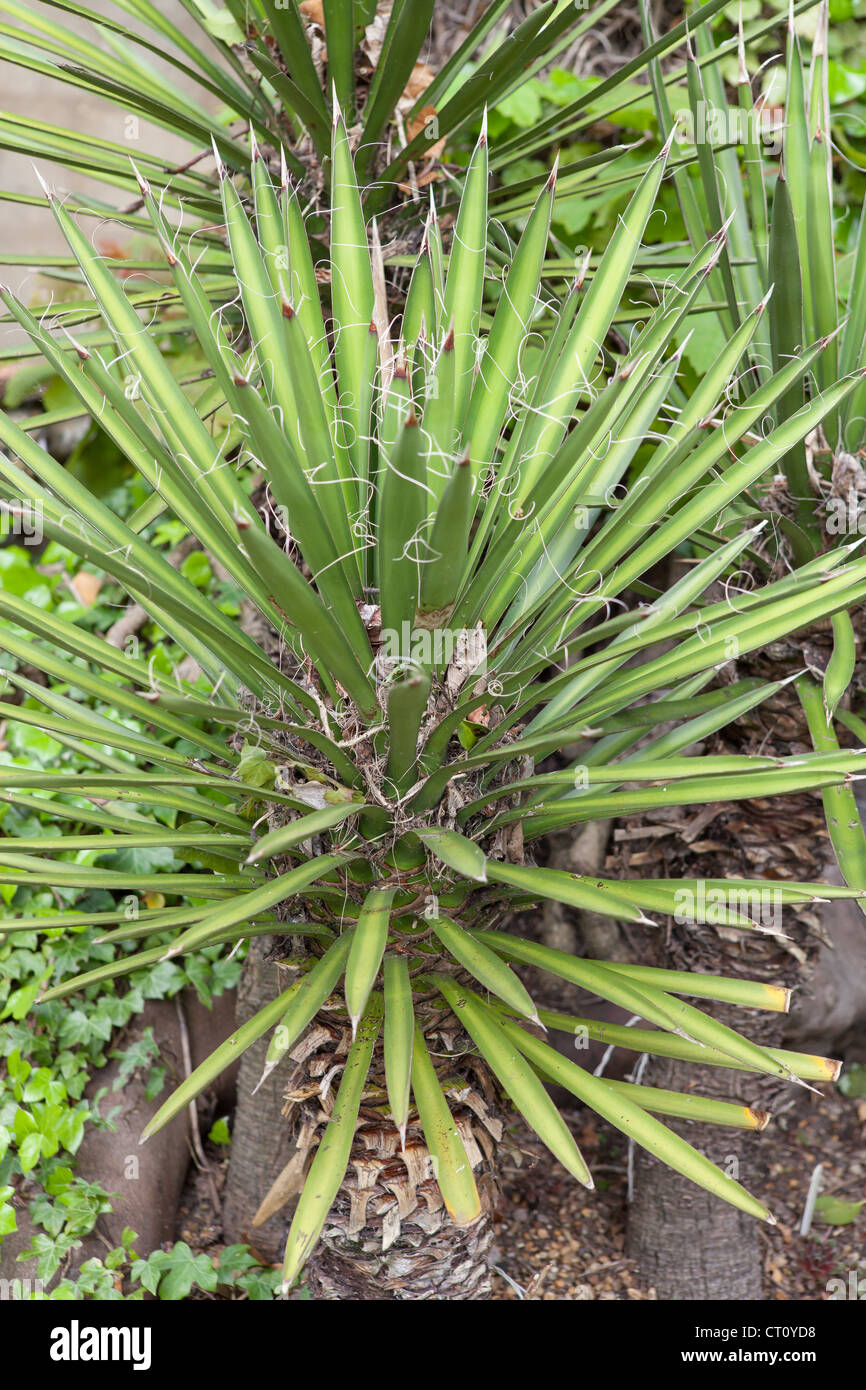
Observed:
{"x":235,"y":1260}
{"x":140,"y":861}
{"x":196,"y":568}
{"x":255,"y":768}
{"x":219,"y":1132}
{"x":30,"y":1151}
{"x":182,"y":1270}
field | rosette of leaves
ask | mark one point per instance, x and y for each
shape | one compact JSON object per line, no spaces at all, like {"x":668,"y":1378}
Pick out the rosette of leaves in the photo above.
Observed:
{"x":419,"y":511}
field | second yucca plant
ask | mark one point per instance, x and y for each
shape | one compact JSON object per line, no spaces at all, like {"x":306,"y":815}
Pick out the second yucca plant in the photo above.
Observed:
{"x":440,"y":574}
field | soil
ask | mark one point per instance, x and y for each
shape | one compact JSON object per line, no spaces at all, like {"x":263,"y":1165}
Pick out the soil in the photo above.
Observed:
{"x":557,"y":1242}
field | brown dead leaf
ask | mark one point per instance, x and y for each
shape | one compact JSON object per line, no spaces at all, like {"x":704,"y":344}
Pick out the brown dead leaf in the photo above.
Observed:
{"x":290,"y":1180}
{"x":419,"y":80}
{"x":314,"y":10}
{"x":86,"y":587}
{"x":374,"y":34}
{"x":419,"y":124}
{"x":428,"y":177}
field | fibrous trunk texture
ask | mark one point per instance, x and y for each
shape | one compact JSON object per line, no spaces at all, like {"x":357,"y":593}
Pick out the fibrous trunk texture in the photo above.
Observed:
{"x":388,"y":1234}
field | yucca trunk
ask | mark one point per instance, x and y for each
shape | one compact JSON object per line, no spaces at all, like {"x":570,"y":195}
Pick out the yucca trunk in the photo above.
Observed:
{"x":262,"y":1141}
{"x":687,"y":1244}
{"x":388,"y":1234}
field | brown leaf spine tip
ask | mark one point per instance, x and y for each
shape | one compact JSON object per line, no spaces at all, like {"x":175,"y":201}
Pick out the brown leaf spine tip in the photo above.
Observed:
{"x":373,"y":328}
{"x":666,"y":147}
{"x":240,"y":380}
{"x":83,"y":354}
{"x":762,"y":303}
{"x":401,"y":371}
{"x":411,"y":418}
{"x":551,"y":182}
{"x":287,"y":310}
{"x":448,"y":345}
{"x":464,"y":462}
{"x":242,"y":523}
{"x":830,"y":336}
{"x":143,"y":185}
{"x":45,"y":189}
{"x":255,"y":152}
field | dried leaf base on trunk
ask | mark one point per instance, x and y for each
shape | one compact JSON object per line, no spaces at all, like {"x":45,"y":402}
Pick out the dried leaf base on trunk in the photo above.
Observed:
{"x":452,"y":1264}
{"x":388,"y":1234}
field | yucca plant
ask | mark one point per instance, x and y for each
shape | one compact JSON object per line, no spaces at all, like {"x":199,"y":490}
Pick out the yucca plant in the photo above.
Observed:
{"x":746,"y":163}
{"x":746,"y":159}
{"x":423,"y":518}
{"x":265,"y":72}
